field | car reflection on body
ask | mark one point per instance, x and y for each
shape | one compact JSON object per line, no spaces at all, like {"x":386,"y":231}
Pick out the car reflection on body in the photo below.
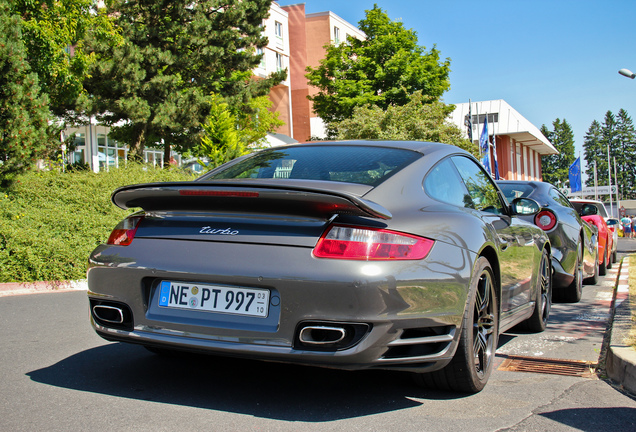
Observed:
{"x":595,"y":213}
{"x":614,"y":225}
{"x":574,"y":254}
{"x":353,"y":255}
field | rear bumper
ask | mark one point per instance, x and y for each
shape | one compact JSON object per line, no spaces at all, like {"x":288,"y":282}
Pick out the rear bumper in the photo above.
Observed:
{"x":411,"y":310}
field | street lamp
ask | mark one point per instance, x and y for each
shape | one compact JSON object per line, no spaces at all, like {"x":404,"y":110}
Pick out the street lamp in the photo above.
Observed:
{"x":627,"y":73}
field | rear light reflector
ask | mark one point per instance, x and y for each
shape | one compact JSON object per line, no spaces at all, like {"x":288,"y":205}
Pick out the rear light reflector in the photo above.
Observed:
{"x":545,"y":219}
{"x":125,"y":231}
{"x":353,"y":243}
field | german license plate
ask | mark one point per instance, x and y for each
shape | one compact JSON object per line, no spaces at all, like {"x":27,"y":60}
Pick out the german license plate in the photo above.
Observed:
{"x":214,"y":298}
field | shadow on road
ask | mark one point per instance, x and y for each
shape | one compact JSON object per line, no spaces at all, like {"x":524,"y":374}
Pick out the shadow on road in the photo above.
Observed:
{"x":261,"y":389}
{"x":593,"y":419}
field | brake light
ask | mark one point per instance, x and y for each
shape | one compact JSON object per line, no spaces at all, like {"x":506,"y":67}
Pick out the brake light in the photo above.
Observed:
{"x":216,"y":193}
{"x":353,"y":243}
{"x":124,"y":233}
{"x":545,"y":219}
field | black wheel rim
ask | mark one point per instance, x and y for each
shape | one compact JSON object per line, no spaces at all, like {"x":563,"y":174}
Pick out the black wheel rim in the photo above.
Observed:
{"x":484,"y":325}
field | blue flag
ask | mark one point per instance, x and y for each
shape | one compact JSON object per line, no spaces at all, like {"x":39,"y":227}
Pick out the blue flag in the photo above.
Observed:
{"x":575,"y":175}
{"x":494,"y":151}
{"x":484,"y":145}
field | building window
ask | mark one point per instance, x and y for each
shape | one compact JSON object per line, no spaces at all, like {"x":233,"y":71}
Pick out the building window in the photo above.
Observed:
{"x":279,"y":61}
{"x":532,"y":174}
{"x":336,"y":35}
{"x":278,"y":29}
{"x":518,"y":165}
{"x":260,"y":52}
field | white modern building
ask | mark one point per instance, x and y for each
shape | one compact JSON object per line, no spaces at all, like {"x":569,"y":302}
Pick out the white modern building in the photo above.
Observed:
{"x":518,"y":143}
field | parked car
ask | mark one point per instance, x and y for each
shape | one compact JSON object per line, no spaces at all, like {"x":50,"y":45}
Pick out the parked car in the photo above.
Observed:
{"x":592,"y":212}
{"x":574,"y":242}
{"x":353,"y":255}
{"x":613,"y":224}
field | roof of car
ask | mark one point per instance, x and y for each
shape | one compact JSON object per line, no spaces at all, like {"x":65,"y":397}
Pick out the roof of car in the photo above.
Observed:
{"x":418,"y":146}
{"x":586,"y":201}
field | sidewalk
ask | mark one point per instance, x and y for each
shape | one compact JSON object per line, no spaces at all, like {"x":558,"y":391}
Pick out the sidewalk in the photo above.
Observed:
{"x":621,"y":358}
{"x":19,"y":288}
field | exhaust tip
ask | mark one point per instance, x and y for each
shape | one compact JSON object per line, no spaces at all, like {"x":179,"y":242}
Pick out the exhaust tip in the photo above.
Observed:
{"x":322,"y":335}
{"x":110,"y":314}
{"x":329,"y":336}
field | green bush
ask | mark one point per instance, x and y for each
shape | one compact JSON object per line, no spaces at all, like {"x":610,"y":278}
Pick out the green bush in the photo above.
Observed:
{"x":51,"y":221}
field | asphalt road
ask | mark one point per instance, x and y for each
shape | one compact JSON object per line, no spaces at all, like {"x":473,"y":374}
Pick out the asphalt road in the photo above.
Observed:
{"x":57,"y":375}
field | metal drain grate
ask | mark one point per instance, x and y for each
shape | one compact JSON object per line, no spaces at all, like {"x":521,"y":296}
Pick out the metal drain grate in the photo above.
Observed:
{"x":577,"y":368}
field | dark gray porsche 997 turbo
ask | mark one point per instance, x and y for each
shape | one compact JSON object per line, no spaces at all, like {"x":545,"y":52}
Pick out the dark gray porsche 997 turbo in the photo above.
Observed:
{"x":353,"y":255}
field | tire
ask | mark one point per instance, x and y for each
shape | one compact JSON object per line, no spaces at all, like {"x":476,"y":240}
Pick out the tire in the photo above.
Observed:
{"x":614,"y":257}
{"x":539,"y":319}
{"x":593,"y":280}
{"x":572,"y":294}
{"x":470,"y":368}
{"x":608,"y":260}
{"x":602,"y":268}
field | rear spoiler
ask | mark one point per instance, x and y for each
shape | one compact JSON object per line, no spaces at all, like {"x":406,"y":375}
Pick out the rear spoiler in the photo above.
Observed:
{"x":249,"y":197}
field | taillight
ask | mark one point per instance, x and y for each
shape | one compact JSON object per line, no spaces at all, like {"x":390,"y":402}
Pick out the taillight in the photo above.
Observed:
{"x":124,"y":232}
{"x":353,"y":243}
{"x":545,"y":219}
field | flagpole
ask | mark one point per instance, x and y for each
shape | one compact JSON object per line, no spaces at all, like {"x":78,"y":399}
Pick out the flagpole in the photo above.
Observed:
{"x":609,"y":174}
{"x":495,"y":167}
{"x":595,"y":182}
{"x":477,"y":111}
{"x":618,"y":203}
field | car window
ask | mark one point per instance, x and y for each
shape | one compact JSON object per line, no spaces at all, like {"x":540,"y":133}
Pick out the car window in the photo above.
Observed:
{"x":514,"y":190}
{"x":559,"y":197}
{"x":480,"y":185}
{"x":443,"y":183}
{"x":351,"y":164}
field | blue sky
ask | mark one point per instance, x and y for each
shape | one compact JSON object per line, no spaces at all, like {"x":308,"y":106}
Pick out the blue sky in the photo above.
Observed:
{"x":548,"y":59}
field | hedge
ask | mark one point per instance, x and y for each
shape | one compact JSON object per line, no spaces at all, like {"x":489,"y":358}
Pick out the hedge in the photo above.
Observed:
{"x":50,"y":221}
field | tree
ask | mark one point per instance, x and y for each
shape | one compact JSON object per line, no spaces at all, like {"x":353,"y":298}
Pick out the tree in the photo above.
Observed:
{"x":624,"y":153}
{"x":416,"y":120}
{"x":158,"y":82}
{"x":24,"y":110}
{"x":592,"y":150}
{"x":229,"y":132}
{"x":555,"y":167}
{"x":221,"y":141}
{"x":618,"y":136}
{"x":383,"y":70}
{"x":53,"y":33}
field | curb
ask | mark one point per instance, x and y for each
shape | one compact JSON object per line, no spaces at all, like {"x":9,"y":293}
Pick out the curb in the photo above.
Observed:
{"x":20,"y":288}
{"x":621,"y":358}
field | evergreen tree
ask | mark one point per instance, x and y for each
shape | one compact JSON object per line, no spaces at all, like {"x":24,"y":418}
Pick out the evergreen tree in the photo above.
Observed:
{"x":618,"y":135}
{"x":555,"y":168}
{"x":174,"y":55}
{"x":382,"y":70}
{"x":24,"y":110}
{"x":592,"y":151}
{"x":624,"y":153}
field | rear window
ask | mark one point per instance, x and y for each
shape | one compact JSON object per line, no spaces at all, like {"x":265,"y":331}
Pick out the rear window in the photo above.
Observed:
{"x":602,"y":211}
{"x":350,"y":164}
{"x":512,"y":191}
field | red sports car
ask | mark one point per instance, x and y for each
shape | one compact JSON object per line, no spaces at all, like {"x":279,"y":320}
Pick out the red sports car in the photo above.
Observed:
{"x":590,"y":214}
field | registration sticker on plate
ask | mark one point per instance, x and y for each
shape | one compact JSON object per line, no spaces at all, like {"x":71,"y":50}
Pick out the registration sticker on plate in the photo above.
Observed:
{"x":214,"y":298}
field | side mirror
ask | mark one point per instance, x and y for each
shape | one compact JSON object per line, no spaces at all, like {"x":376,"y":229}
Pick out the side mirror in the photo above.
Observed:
{"x":525,"y":206}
